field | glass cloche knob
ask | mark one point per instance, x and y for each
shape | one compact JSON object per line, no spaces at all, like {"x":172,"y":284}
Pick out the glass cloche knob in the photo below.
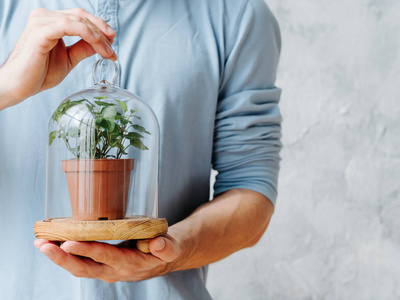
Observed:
{"x":105,"y":72}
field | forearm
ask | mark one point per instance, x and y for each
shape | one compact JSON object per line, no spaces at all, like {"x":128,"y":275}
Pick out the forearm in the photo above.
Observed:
{"x":234,"y":220}
{"x":7,"y":97}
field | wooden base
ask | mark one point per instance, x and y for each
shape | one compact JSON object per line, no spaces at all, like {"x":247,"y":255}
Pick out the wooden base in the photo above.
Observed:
{"x":67,"y":229}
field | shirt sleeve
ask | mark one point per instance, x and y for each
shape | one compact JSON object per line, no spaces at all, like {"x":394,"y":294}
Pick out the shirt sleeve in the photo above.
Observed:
{"x":248,"y":121}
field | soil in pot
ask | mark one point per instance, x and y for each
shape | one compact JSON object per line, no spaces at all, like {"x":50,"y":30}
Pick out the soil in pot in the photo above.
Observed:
{"x":98,"y":188}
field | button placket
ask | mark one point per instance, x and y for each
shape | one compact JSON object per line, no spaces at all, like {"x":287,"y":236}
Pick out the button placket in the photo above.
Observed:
{"x":105,"y":17}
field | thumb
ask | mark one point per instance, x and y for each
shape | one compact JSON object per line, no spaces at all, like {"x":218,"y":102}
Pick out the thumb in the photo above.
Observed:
{"x":165,"y":248}
{"x":81,"y":50}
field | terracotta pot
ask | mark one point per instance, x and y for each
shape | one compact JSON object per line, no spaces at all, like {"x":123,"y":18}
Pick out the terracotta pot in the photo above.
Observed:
{"x":98,"y":188}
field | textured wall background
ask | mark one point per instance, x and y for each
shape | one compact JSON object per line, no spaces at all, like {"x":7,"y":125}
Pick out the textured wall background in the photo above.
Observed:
{"x":336,"y":230}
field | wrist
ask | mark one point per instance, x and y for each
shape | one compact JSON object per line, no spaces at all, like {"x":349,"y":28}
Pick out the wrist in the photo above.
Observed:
{"x":187,"y":245}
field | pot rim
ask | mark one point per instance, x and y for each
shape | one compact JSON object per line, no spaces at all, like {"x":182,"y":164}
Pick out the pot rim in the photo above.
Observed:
{"x":98,"y":165}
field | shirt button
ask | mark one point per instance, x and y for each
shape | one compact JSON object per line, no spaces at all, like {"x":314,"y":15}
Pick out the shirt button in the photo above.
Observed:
{"x":105,"y":17}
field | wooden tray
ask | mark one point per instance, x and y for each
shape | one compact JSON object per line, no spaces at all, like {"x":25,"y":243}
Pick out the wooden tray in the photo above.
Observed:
{"x":67,"y":229}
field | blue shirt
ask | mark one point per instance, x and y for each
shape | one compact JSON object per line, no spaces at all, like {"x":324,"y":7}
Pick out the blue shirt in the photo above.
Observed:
{"x":207,"y":68}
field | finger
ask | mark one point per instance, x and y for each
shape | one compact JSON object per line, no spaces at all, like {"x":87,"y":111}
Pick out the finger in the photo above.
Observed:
{"x":81,"y":50}
{"x":100,"y":252}
{"x":60,"y":25}
{"x":49,"y":27}
{"x":101,"y":24}
{"x":39,"y":242}
{"x":74,"y":28}
{"x":103,"y":33}
{"x":77,"y":266}
{"x":115,"y":257}
{"x":165,"y":248}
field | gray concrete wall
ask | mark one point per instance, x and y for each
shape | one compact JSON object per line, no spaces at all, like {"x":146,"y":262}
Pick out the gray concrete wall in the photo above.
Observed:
{"x":336,"y":230}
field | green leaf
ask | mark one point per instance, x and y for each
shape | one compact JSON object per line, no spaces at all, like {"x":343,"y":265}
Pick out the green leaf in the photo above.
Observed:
{"x":140,"y":128}
{"x":61,"y":109}
{"x":123,"y":105}
{"x":110,"y":125}
{"x":64,"y":107}
{"x":134,"y":135}
{"x":109,"y":113}
{"x":90,"y":107}
{"x":99,"y":120}
{"x":138,"y":144}
{"x":102,"y":103}
{"x":77,"y":102}
{"x":104,"y":123}
{"x":101,"y":97}
{"x":117,"y":131}
{"x":122,"y":119}
{"x":52,"y":136}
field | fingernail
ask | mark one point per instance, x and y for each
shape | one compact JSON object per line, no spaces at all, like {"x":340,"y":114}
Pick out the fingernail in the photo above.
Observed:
{"x":110,"y":30}
{"x":48,"y":253}
{"x":96,"y":35}
{"x":109,"y":49}
{"x":160,"y":245}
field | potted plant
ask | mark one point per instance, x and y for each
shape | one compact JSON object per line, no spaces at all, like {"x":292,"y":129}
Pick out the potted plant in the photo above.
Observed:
{"x":98,"y":134}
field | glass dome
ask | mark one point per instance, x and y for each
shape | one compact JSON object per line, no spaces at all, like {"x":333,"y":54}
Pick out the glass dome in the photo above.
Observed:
{"x":102,"y":154}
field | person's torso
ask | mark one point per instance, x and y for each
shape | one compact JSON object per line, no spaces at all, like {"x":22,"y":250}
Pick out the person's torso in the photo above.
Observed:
{"x":171,"y":54}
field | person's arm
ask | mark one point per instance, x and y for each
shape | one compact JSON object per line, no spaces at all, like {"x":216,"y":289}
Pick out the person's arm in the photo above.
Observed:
{"x":235,"y":220}
{"x":40,"y":60}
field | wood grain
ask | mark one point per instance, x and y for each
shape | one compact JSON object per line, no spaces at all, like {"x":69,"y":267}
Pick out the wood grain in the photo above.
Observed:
{"x":67,"y":229}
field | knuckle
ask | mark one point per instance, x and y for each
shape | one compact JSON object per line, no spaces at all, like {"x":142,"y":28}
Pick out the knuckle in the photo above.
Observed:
{"x":102,"y":256}
{"x":95,"y":39}
{"x":37,"y":12}
{"x":64,"y":21}
{"x":79,"y":11}
{"x":77,"y":18}
{"x":70,"y":17}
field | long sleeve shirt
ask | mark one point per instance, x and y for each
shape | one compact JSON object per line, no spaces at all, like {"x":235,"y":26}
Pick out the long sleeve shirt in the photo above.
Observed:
{"x":207,"y":69}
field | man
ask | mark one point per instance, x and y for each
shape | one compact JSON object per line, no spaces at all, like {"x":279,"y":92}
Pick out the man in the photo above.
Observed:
{"x":207,"y":68}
